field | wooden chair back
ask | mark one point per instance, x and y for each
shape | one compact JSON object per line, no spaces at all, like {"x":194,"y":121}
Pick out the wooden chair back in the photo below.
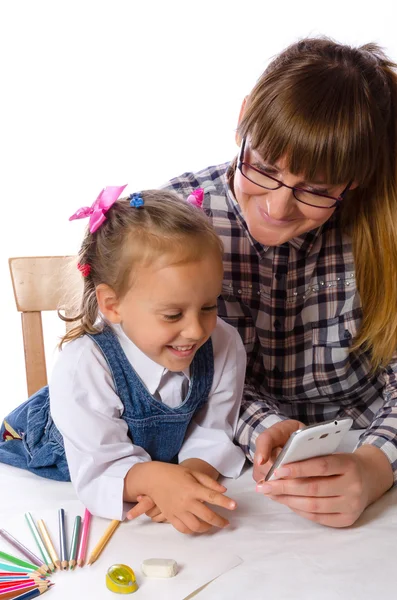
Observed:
{"x":39,"y":285}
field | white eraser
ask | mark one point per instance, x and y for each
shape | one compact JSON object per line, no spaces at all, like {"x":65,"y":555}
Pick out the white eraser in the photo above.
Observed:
{"x":159,"y":567}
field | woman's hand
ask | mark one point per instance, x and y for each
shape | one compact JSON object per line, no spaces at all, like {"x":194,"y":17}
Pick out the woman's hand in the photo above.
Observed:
{"x":178,"y":494}
{"x":269,"y":444}
{"x":332,"y":490}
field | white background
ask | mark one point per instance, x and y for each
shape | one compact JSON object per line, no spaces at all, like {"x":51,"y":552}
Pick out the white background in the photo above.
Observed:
{"x":96,"y":93}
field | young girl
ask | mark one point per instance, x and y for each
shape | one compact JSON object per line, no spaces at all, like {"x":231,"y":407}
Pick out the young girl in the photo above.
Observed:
{"x":146,"y":392}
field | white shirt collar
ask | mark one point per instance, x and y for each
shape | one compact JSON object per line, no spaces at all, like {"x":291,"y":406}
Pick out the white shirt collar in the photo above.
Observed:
{"x":147,"y":369}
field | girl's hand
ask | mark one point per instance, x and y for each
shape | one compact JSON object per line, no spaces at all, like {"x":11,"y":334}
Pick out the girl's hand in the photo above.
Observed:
{"x":180,"y":494}
{"x":332,"y":490}
{"x":148,"y":507}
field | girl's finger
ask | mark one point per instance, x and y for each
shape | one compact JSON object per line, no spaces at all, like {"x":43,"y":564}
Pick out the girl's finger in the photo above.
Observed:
{"x":204,"y":513}
{"x":179,"y":525}
{"x":140,"y":508}
{"x":212,"y":497}
{"x":160,"y":518}
{"x":153,"y":512}
{"x":208,"y":482}
{"x":193,"y":523}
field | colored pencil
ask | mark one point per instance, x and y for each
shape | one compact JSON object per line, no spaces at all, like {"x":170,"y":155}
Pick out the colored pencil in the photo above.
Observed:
{"x":19,"y":579}
{"x":21,"y":563}
{"x":39,"y":541}
{"x":45,"y":536}
{"x":12,"y":569}
{"x":20,"y":573}
{"x":74,"y":543}
{"x":22,"y":549}
{"x":103,"y":541}
{"x":84,"y":538}
{"x":28,"y":594}
{"x":13,"y":590}
{"x":31,"y":594}
{"x":62,"y":539}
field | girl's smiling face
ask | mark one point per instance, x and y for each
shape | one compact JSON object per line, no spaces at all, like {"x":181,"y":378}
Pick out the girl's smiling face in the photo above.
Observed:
{"x":170,"y":310}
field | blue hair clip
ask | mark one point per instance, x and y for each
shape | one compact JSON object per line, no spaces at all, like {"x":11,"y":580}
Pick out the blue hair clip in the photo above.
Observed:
{"x":136,"y":200}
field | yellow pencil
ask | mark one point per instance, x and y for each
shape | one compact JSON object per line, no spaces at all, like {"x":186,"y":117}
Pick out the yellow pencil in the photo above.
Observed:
{"x":103,"y":541}
{"x":49,"y":545}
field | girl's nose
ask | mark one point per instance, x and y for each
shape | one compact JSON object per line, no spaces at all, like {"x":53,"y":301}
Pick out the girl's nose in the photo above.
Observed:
{"x":193,"y":330}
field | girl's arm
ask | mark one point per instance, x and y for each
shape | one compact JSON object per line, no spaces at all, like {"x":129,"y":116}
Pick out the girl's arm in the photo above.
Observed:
{"x":210,"y":435}
{"x":87,"y":412}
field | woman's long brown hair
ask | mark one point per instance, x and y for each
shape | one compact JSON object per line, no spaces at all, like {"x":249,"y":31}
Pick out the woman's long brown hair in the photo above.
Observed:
{"x":331,"y":109}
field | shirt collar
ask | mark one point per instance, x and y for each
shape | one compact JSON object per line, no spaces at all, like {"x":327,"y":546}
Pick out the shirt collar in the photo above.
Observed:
{"x":303,"y":243}
{"x":147,"y":369}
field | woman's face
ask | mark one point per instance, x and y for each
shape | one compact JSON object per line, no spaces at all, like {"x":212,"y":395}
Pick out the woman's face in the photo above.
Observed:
{"x":275,"y":216}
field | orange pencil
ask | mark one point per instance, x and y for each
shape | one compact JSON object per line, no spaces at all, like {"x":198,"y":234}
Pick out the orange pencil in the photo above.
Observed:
{"x":103,"y":542}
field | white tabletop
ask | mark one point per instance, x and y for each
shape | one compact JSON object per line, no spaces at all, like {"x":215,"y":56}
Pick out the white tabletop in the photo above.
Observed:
{"x":283,"y":556}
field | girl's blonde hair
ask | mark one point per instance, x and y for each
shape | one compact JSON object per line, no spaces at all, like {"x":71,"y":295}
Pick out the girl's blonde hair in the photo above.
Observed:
{"x":331,"y":109}
{"x":165,"y":227}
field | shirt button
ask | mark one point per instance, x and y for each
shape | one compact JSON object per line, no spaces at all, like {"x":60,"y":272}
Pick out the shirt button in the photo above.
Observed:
{"x":277,"y":325}
{"x":278,"y":276}
{"x":347,"y":334}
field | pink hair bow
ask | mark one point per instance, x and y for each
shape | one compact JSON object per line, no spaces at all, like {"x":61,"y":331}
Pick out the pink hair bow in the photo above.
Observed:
{"x":196,"y":197}
{"x":97,"y":212}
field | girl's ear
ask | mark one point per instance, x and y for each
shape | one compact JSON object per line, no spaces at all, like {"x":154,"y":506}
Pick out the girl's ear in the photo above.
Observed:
{"x":240,"y":118}
{"x":108,"y":303}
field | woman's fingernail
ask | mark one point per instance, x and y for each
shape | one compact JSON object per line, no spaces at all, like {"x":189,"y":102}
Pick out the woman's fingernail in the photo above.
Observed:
{"x":232,"y":505}
{"x":263,"y":488}
{"x":259,"y":460}
{"x":282,"y":472}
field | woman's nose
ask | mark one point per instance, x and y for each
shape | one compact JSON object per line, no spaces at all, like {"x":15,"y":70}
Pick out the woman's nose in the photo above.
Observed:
{"x":279,"y":203}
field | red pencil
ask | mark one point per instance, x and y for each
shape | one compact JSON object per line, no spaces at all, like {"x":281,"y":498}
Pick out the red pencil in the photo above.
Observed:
{"x":11,"y":582}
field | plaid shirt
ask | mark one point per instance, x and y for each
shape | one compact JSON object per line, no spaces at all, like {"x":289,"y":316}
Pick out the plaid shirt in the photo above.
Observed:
{"x":297,"y":309}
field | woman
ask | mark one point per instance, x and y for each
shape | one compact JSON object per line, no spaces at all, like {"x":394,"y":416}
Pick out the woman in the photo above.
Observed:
{"x":308,"y":217}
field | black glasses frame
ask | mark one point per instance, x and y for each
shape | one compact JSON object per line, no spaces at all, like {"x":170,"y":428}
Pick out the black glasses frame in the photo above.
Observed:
{"x":240,"y":163}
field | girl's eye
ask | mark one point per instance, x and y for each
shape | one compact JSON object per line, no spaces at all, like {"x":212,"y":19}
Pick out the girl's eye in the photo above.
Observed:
{"x":172,"y":317}
{"x":209,"y":308}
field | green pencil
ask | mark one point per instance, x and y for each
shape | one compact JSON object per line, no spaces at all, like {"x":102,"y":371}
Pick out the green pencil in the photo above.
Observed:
{"x":74,"y":543}
{"x":13,"y":569}
{"x":21,"y":563}
{"x":39,"y":541}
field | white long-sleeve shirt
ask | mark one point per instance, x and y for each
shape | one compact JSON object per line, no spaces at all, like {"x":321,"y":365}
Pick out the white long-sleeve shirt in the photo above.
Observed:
{"x":88,"y":412}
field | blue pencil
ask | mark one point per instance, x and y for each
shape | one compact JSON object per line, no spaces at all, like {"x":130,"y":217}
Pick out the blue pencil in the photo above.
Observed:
{"x":62,"y":539}
{"x":31,"y":594}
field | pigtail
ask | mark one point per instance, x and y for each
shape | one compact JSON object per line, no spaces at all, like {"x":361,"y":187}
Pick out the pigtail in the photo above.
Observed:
{"x":86,"y":304}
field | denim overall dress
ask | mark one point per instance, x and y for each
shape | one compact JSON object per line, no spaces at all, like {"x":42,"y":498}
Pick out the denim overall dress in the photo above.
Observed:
{"x":30,"y":440}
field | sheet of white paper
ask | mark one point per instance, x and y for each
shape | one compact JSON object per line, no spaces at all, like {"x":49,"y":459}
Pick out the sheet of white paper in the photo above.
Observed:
{"x":130,"y":545}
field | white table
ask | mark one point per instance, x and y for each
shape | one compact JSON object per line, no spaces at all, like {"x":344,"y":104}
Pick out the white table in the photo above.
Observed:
{"x":284,"y":556}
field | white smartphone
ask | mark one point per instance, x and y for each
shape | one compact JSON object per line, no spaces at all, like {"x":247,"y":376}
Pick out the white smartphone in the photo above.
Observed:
{"x":311,"y":441}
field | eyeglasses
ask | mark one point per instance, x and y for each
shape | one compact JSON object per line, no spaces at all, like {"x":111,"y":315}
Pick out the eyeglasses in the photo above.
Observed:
{"x":268,"y":182}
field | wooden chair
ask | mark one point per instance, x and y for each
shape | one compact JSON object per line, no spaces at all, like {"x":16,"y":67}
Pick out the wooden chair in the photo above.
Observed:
{"x":39,"y":285}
